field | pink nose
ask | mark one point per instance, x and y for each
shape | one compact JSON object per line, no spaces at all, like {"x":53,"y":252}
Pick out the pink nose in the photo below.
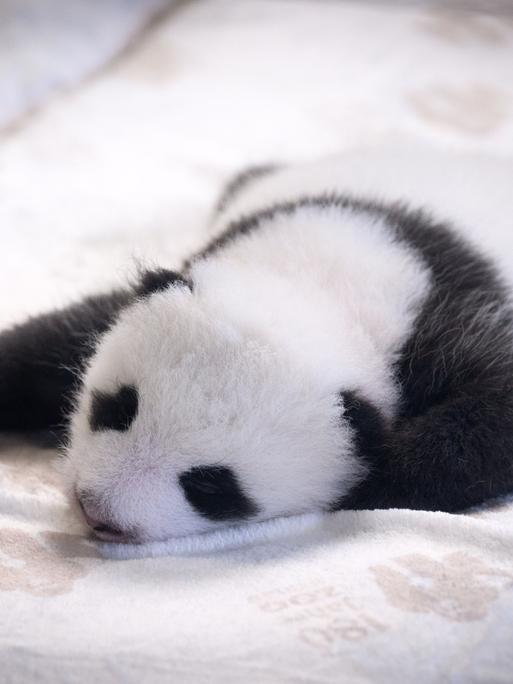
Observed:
{"x":101,"y":528}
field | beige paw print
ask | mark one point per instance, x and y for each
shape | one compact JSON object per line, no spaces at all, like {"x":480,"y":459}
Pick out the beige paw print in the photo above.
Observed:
{"x":459,"y":587}
{"x":33,"y":480}
{"x":474,"y":108}
{"x":43,"y":565}
{"x":465,"y":27}
{"x":29,"y":470}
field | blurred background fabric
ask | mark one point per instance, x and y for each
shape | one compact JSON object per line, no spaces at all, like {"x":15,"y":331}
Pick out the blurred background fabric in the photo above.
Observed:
{"x":49,"y":45}
{"x":127,"y":161}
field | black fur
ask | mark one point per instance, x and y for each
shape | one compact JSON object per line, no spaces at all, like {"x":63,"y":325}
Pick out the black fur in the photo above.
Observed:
{"x":246,"y":225}
{"x":370,"y":440}
{"x":215,"y":492}
{"x":451,"y":444}
{"x":241,"y":181}
{"x":158,"y":280}
{"x":455,"y":456}
{"x":40,"y":361}
{"x":367,"y":423}
{"x":114,"y":411}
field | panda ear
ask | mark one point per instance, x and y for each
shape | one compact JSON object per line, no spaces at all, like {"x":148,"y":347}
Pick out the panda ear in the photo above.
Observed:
{"x":158,"y":280}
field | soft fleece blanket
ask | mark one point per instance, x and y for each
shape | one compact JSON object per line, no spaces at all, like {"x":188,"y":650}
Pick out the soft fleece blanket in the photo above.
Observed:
{"x":415,"y":102}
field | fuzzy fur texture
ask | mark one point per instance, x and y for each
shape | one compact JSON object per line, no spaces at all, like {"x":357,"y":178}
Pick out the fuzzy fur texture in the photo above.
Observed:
{"x":322,"y":352}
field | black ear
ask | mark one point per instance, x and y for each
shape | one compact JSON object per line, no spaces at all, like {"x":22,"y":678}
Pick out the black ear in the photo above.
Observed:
{"x":158,"y":280}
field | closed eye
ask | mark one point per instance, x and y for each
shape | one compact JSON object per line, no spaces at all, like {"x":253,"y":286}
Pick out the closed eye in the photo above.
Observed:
{"x":216,"y":493}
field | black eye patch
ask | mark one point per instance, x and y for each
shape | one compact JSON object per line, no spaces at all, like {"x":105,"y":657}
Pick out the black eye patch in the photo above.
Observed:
{"x":113,"y":411}
{"x":215,"y":492}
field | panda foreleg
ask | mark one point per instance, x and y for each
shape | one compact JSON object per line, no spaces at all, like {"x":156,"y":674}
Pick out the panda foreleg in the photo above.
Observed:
{"x":455,"y":455}
{"x":41,"y":359}
{"x":459,"y":453}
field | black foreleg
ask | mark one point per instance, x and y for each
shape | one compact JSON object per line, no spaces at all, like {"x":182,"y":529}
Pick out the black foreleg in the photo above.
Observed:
{"x":40,"y":359}
{"x":457,"y":454}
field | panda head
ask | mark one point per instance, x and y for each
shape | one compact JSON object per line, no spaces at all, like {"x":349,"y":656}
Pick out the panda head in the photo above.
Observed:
{"x":186,"y":422}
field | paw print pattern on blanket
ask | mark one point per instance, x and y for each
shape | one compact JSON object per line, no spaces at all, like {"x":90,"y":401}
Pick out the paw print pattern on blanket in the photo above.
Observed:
{"x":34,"y":480}
{"x":460,"y":28}
{"x":459,"y":587}
{"x":42,"y":565}
{"x":27,"y":471}
{"x":472,"y":108}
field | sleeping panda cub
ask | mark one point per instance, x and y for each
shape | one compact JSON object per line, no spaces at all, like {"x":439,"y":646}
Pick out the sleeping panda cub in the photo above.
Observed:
{"x":321,"y":352}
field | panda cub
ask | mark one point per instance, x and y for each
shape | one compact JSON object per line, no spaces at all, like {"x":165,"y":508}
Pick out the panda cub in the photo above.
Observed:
{"x":321,"y":352}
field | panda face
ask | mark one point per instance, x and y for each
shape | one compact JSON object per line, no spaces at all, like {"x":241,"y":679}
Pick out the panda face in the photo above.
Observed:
{"x":186,"y":423}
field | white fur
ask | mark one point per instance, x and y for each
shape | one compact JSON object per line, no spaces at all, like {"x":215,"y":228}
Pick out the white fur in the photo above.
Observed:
{"x":246,"y":370}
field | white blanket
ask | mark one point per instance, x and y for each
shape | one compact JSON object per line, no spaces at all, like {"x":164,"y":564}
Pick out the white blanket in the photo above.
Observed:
{"x":128,"y":165}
